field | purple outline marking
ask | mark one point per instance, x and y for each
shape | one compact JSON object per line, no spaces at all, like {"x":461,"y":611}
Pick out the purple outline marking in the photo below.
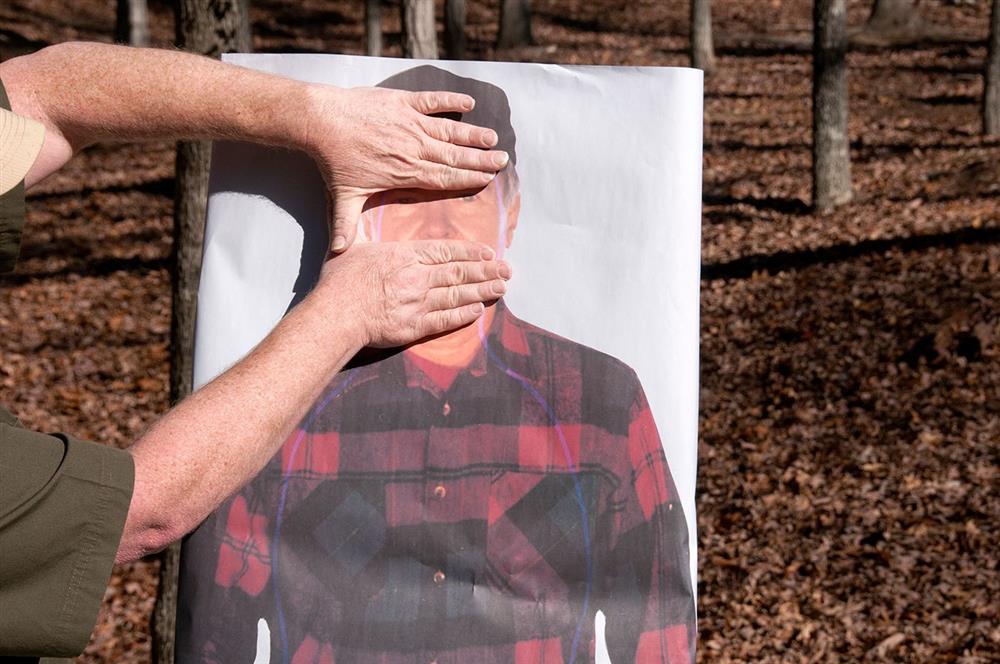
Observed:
{"x":286,"y":475}
{"x":588,"y":561}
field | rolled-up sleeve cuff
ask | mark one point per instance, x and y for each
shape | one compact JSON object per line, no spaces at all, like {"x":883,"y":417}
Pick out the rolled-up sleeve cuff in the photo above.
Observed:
{"x":58,"y":543}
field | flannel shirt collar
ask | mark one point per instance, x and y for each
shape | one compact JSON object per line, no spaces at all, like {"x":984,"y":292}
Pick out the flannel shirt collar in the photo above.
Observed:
{"x":506,"y":341}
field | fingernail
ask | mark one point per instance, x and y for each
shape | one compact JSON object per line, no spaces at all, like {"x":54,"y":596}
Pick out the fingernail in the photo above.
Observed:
{"x":499,"y":287}
{"x":487,"y":254}
{"x":339,"y":242}
{"x":501,"y":159}
{"x":490,"y":137}
{"x":505,"y":271}
{"x":470,"y":104}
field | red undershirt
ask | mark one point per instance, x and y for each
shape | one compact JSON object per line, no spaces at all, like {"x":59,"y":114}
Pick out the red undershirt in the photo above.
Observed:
{"x":442,"y":376}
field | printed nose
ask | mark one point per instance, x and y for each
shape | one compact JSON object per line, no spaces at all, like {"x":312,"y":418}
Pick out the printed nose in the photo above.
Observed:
{"x":437,"y":227}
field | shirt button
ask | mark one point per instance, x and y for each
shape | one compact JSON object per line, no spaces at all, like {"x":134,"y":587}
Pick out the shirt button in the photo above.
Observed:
{"x":446,"y":408}
{"x":439,"y":577}
{"x":440,"y":491}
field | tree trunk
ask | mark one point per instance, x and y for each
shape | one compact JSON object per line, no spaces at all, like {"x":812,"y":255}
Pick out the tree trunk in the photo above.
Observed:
{"x":515,"y":24}
{"x":419,"y":29}
{"x":991,"y":91}
{"x":132,"y":23}
{"x":702,"y":51}
{"x":373,"y":26}
{"x":895,"y":18}
{"x":831,"y":156}
{"x":190,"y":200}
{"x":454,"y":29}
{"x":208,"y":27}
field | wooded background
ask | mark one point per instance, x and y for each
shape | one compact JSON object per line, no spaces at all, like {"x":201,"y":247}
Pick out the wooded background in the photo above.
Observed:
{"x":850,"y":399}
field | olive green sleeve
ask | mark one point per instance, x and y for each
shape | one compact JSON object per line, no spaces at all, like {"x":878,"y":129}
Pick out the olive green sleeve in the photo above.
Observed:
{"x":11,"y":214}
{"x":63,"y":504}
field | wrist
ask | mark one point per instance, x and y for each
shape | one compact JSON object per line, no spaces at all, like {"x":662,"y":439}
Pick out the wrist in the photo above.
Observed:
{"x":334,"y":319}
{"x":315,"y":118}
{"x":275,"y":115}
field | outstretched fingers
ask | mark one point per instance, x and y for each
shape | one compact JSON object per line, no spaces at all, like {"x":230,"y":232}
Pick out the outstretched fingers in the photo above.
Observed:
{"x":468,"y":272}
{"x":454,"y":297}
{"x":435,"y":176}
{"x":459,"y":133}
{"x":472,"y":159}
{"x":426,"y":286}
{"x":463,"y":276}
{"x":430,"y":102}
{"x":456,"y":154}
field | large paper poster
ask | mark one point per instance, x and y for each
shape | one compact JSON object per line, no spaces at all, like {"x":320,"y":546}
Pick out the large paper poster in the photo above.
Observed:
{"x":520,"y":490}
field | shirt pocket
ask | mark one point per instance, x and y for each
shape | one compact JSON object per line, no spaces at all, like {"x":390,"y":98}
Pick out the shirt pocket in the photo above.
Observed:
{"x":544,"y":529}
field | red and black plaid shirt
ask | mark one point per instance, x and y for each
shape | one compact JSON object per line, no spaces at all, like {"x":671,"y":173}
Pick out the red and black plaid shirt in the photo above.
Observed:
{"x":485,"y":521}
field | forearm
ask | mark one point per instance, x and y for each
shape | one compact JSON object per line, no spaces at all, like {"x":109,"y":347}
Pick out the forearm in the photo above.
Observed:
{"x":87,"y":92}
{"x":215,"y":441}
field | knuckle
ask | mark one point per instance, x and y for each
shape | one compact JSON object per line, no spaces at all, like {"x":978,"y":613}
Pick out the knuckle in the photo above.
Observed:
{"x":445,"y":178}
{"x":445,"y":252}
{"x":445,"y":130}
{"x":453,"y":131}
{"x":457,"y":273}
{"x":426,"y":125}
{"x":424,"y":151}
{"x":419,"y":250}
{"x":425,"y":100}
{"x":431,"y":324}
{"x":454,"y":297}
{"x":452,"y":156}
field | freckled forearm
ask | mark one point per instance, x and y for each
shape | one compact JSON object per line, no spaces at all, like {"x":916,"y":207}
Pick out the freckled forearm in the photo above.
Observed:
{"x":86,"y":93}
{"x":215,"y":441}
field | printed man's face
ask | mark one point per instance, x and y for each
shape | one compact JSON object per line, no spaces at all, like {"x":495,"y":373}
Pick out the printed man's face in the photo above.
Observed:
{"x":414,"y":214}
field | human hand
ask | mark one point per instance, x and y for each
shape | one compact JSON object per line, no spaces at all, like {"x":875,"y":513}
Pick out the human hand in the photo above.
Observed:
{"x":367,"y":140}
{"x":402,"y":292}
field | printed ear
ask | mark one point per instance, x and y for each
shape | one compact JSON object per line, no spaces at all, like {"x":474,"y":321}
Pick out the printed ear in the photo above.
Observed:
{"x":263,"y":643}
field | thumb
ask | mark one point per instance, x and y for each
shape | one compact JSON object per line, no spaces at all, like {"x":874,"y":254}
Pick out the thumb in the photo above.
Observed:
{"x":347,"y":207}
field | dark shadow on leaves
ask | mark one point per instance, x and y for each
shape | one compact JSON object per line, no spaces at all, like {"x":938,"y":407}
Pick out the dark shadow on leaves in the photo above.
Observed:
{"x":746,"y":266}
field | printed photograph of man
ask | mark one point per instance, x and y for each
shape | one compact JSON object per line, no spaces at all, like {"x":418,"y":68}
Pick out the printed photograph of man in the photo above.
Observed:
{"x":475,"y":497}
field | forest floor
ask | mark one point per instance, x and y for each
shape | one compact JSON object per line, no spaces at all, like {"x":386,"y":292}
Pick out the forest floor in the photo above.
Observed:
{"x":850,"y":390}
